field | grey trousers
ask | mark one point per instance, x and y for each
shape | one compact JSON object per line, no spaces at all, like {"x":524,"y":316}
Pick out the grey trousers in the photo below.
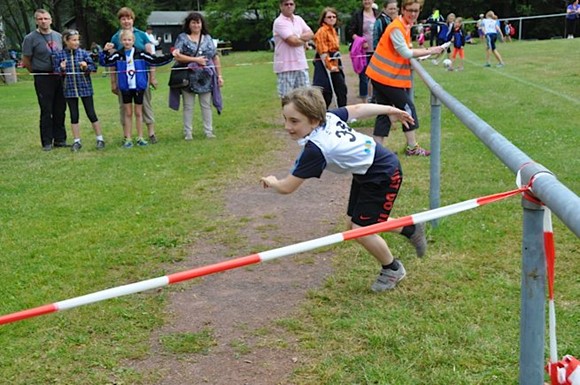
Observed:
{"x":206,"y":113}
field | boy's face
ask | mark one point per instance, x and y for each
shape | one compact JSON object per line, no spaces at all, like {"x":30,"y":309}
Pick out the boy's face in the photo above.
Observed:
{"x":297,"y":124}
{"x":127,"y":41}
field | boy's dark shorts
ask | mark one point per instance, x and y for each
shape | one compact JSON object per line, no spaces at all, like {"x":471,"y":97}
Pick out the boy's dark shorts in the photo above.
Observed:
{"x":133,"y":96}
{"x":370,"y":202}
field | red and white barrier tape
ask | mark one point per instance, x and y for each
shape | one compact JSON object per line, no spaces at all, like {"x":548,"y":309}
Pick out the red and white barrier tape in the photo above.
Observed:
{"x":146,"y":70}
{"x":256,"y":258}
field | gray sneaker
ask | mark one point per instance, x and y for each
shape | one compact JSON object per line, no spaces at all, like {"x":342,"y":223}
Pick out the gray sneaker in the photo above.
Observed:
{"x":388,"y":279}
{"x":418,"y":239}
{"x":76,"y":146}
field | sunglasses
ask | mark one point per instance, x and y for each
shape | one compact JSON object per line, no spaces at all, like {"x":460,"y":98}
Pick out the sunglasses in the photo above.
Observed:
{"x":288,"y":4}
{"x":330,"y":17}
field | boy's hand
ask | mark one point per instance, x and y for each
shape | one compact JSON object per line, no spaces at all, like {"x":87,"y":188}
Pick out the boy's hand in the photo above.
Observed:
{"x":109,"y":47}
{"x":63,"y":64}
{"x":268,"y":181}
{"x":401,"y":116}
{"x":83,"y":65}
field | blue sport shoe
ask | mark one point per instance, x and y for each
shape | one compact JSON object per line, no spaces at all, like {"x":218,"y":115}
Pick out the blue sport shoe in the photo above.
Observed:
{"x":141,"y":142}
{"x":128,"y":143}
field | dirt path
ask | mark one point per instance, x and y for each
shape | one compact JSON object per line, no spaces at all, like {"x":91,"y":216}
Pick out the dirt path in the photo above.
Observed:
{"x":238,"y":306}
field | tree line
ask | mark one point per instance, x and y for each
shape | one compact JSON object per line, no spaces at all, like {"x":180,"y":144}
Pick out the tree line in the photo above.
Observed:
{"x":244,"y":20}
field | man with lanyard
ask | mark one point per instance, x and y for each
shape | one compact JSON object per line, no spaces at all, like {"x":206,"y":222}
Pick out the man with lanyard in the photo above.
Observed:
{"x":126,"y":19}
{"x":291,"y":34}
{"x":37,"y":49}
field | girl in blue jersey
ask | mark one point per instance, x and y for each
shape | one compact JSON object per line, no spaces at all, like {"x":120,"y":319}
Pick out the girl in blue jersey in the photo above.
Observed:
{"x":329,"y":143}
{"x":133,"y":79}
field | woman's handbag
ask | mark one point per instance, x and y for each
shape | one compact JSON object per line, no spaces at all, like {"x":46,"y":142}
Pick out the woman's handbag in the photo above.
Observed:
{"x":179,"y":77}
{"x":200,"y":79}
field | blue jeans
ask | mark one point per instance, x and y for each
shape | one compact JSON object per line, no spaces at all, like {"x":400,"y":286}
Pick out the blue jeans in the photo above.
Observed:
{"x":363,"y":85}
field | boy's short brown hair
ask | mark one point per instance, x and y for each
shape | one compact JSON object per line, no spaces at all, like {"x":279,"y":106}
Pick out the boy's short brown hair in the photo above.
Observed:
{"x":308,"y":101}
{"x":126,"y":12}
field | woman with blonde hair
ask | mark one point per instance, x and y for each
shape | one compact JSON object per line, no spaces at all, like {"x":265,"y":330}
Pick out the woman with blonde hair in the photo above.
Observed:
{"x":328,"y":73}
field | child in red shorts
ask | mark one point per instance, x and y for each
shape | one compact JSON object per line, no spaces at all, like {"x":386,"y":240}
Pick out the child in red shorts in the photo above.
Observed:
{"x":458,"y":40}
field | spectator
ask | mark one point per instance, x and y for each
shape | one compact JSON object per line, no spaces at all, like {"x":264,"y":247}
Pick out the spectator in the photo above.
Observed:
{"x":446,"y":32}
{"x":76,"y":65}
{"x":196,"y":48}
{"x":95,"y":52}
{"x":291,"y":36}
{"x":434,"y":20}
{"x":388,"y":14}
{"x":390,"y":73}
{"x":572,"y":15}
{"x":491,"y":30}
{"x":126,"y":18}
{"x":330,"y":144}
{"x":509,"y":31}
{"x":152,"y":39}
{"x":479,"y":25}
{"x":133,"y":81}
{"x":420,"y":35}
{"x":362,"y":23}
{"x":328,"y":73}
{"x":37,"y":49}
{"x":458,"y":40}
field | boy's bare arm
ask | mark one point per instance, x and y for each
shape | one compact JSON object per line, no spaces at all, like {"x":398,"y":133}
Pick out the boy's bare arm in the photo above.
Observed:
{"x":282,"y":186}
{"x":369,"y":110}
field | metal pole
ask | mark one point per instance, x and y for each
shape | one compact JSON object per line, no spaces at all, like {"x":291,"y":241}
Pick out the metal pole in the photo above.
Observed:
{"x":435,"y":161}
{"x":533,"y":289}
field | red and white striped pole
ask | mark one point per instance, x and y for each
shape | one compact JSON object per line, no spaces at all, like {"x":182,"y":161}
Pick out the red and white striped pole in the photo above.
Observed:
{"x":155,"y":283}
{"x":550,"y":252}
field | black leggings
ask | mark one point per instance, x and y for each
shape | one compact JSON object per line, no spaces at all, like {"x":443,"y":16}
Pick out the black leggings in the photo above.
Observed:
{"x":73,"y":108}
{"x":571,"y":26}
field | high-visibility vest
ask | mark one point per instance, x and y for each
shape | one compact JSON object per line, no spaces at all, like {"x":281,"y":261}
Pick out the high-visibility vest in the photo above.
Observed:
{"x":387,"y":66}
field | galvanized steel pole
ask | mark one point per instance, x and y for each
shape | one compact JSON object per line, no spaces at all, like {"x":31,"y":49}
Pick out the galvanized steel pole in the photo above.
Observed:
{"x":533,"y":296}
{"x":435,"y":161}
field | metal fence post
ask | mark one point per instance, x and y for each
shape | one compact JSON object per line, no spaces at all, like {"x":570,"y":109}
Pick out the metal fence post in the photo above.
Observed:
{"x":435,"y":161}
{"x":533,"y":294}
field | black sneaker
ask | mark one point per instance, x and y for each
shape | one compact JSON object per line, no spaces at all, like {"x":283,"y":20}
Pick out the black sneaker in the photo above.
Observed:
{"x":100,"y":144}
{"x":76,"y":146}
{"x":61,"y":144}
{"x":47,"y":147}
{"x":152,"y":139}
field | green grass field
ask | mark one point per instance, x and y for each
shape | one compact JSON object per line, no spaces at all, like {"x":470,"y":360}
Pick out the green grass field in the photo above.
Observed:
{"x":71,"y":224}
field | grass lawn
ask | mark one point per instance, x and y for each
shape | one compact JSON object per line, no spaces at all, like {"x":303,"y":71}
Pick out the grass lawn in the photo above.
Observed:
{"x":72,"y":224}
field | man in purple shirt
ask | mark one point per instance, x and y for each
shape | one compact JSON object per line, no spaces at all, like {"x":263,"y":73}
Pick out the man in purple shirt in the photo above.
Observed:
{"x":291,"y":35}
